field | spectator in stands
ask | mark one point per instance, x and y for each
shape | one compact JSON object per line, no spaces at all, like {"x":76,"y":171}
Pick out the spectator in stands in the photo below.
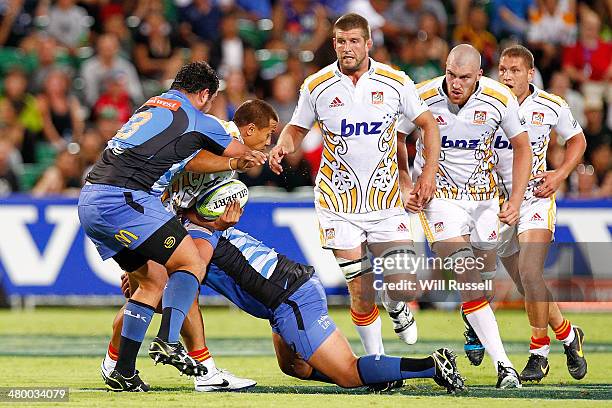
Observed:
{"x":436,"y":47}
{"x":16,"y":20}
{"x":49,"y":57}
{"x":252,"y":74}
{"x":68,"y":24}
{"x":552,"y":23}
{"x":201,"y":18}
{"x":22,"y":115}
{"x":116,"y":25}
{"x":8,"y":179}
{"x":560,"y":85}
{"x":475,"y":32}
{"x":91,"y":146}
{"x":235,"y":92}
{"x":301,"y":24}
{"x":406,"y":14}
{"x":284,"y":97}
{"x":115,"y":96}
{"x":14,"y":132}
{"x":421,"y":67}
{"x":106,"y":60}
{"x":158,"y":52}
{"x":589,"y":62}
{"x":374,"y":11}
{"x":510,"y":18}
{"x":61,"y":111}
{"x":595,"y":131}
{"x":63,"y":177}
{"x":228,"y":52}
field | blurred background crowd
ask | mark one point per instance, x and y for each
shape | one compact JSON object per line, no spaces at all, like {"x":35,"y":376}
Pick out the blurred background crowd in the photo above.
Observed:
{"x":72,"y":72}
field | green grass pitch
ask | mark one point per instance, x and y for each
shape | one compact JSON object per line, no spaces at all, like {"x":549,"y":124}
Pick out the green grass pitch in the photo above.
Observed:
{"x":63,"y":347}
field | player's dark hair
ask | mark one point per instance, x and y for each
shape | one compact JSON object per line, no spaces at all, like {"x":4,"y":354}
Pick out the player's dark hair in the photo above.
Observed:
{"x":518,"y":51}
{"x":350,"y":21}
{"x":255,"y":111}
{"x":195,"y":77}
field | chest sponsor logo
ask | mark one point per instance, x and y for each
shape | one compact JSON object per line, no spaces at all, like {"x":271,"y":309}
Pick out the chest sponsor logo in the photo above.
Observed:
{"x":359,"y":128}
{"x":480,"y":117}
{"x":377,"y":98}
{"x":537,"y":118}
{"x":459,"y":143}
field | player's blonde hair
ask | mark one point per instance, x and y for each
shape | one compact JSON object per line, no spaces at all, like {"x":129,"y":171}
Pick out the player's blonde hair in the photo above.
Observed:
{"x":518,"y":51}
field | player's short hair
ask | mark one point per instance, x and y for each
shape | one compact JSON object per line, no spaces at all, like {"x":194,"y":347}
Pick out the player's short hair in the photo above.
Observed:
{"x":350,"y":21}
{"x":195,"y":77}
{"x":518,"y":51}
{"x":255,"y":111}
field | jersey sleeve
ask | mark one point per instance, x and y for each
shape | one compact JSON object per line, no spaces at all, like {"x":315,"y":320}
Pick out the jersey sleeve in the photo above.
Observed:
{"x":567,"y":127}
{"x":513,"y":122}
{"x":412,"y":104}
{"x":212,"y":135}
{"x":304,"y":113}
{"x":405,"y":126}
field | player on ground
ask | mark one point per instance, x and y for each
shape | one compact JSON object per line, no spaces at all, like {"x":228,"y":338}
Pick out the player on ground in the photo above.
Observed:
{"x":358,"y":104}
{"x":254,"y":122}
{"x":524,"y":247}
{"x":461,"y":222}
{"x":121,"y":212}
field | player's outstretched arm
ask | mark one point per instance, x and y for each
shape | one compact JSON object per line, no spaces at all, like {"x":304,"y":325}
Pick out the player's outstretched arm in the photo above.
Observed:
{"x":425,"y":186}
{"x":551,"y":180}
{"x":289,"y":139}
{"x":207,"y":162}
{"x":521,"y":170}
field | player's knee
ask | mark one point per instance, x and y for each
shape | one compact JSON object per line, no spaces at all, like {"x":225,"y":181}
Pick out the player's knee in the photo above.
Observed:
{"x":462,"y":260}
{"x":355,"y":268}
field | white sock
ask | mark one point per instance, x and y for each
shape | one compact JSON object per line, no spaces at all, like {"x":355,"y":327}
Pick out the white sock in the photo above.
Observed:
{"x":484,"y":324}
{"x":542,"y":351}
{"x":369,"y":327}
{"x":108,"y":363}
{"x":570,"y":337}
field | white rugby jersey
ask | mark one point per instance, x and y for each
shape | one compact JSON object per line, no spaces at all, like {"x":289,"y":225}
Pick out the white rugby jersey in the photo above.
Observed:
{"x":359,"y":123}
{"x":543,"y":112}
{"x":187,"y":186}
{"x":466,"y":157}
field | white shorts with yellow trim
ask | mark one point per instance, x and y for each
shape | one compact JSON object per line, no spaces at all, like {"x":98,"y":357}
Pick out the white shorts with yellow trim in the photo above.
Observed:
{"x":445,"y":218}
{"x":348,"y":231}
{"x":536,"y":213}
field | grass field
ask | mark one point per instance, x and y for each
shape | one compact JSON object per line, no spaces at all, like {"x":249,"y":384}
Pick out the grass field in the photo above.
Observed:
{"x":64,"y":347}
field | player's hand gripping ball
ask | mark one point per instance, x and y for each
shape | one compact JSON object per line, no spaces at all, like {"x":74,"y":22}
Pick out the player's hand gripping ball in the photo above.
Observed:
{"x":213,"y":201}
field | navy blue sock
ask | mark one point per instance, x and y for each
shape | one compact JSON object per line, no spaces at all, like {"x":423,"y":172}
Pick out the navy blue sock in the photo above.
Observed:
{"x":136,"y":319}
{"x":374,"y":369}
{"x":179,"y":294}
{"x":319,"y":376}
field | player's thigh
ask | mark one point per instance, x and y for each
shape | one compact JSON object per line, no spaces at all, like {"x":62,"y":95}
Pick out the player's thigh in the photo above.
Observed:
{"x":335,"y":358}
{"x":337,"y":232}
{"x":484,"y":228}
{"x":444,"y":220}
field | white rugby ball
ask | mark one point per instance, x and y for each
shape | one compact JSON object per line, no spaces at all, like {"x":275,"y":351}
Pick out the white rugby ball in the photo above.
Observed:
{"x":213,"y":201}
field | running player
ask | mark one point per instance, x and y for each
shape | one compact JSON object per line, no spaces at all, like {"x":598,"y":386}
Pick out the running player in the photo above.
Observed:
{"x":461,"y":222}
{"x":359,"y":104}
{"x":120,"y":209}
{"x":524,"y":247}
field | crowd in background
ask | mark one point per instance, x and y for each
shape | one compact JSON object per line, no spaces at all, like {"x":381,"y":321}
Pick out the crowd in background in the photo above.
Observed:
{"x":72,"y":72}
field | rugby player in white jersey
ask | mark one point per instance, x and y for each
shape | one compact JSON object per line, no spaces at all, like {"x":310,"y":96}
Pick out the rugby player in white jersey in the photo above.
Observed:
{"x":461,"y":221}
{"x":360,"y":193}
{"x":524,"y":247}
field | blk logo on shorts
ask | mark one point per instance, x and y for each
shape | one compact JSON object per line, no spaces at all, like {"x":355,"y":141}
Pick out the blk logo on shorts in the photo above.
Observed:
{"x":480,"y":117}
{"x":536,"y":217}
{"x":377,"y":98}
{"x":402,"y":228}
{"x":439,"y":227}
{"x":169,"y":242}
{"x":493,"y":236}
{"x":336,"y":103}
{"x":330,"y":233}
{"x":537,"y":118}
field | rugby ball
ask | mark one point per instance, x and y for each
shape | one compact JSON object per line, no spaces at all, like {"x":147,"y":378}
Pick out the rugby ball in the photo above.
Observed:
{"x":211,"y":204}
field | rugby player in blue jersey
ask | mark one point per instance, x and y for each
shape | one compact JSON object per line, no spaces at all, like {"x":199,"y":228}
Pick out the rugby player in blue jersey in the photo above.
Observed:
{"x":120,"y":210}
{"x":270,"y":286}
